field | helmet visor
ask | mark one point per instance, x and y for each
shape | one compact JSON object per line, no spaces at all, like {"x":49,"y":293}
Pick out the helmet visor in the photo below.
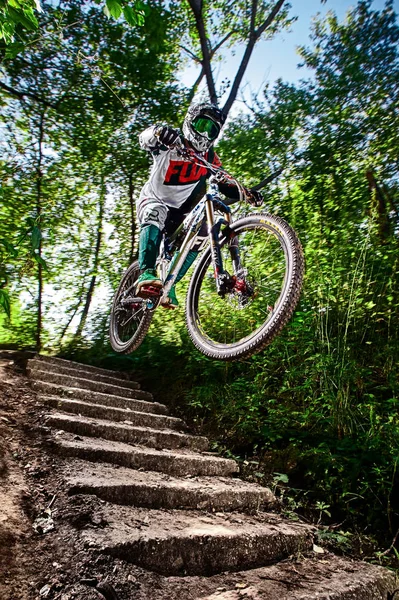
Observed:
{"x":205,"y":126}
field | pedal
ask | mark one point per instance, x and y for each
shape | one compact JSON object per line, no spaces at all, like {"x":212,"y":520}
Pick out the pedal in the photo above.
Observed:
{"x":150,"y":291}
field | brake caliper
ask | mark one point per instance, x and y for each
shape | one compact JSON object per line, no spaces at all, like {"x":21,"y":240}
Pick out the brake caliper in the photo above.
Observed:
{"x":244,"y":291}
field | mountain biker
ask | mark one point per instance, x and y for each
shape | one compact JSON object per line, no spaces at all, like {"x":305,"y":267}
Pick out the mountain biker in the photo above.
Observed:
{"x":175,"y":186}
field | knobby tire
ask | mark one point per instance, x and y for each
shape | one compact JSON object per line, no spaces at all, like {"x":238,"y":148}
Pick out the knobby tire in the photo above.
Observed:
{"x":128,"y":346}
{"x":284,"y":307}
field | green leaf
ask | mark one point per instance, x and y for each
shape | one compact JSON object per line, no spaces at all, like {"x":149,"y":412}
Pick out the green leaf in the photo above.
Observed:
{"x":140,"y":19}
{"x":5,"y":302}
{"x":24,"y":17}
{"x":36,"y":236}
{"x":10,"y":249}
{"x":130,"y":15}
{"x":141,"y":8}
{"x":114,"y":8}
{"x":280,"y":477}
{"x":40,"y":261}
{"x":7,"y":32}
{"x":13,"y":49}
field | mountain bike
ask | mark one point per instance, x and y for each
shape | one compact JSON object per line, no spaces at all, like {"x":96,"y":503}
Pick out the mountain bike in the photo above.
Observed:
{"x":243,"y":290}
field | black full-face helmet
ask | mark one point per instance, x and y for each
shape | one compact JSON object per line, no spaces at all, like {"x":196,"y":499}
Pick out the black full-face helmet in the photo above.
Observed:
{"x":202,"y":125}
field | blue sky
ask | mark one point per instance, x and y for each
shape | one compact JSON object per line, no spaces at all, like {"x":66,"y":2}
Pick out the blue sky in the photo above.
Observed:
{"x":278,"y":58}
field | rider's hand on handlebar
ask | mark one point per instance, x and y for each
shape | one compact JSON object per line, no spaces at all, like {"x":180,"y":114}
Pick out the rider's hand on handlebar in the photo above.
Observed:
{"x":254,"y":197}
{"x":168,"y":136}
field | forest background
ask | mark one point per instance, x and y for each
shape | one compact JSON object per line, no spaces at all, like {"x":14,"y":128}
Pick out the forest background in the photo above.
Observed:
{"x":315,"y":415}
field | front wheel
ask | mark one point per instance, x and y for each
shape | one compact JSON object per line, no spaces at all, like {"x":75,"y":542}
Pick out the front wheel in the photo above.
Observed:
{"x":130,"y":316}
{"x":259,"y":300}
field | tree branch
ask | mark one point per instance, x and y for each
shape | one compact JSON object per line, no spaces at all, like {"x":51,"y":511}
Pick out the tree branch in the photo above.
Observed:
{"x":253,"y":38}
{"x":220,"y":44}
{"x":196,"y":7}
{"x":270,"y":18}
{"x":202,"y":73}
{"x":254,"y":10}
{"x":75,"y":310}
{"x":195,"y":86}
{"x":21,"y":95}
{"x":193,"y":56}
{"x":267,"y":180}
{"x":39,"y":201}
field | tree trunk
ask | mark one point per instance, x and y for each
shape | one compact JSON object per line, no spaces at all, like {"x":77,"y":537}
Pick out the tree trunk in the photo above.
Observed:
{"x":132,"y":222}
{"x":39,"y":182}
{"x":90,"y":291}
{"x":196,"y":7}
{"x":207,"y":52}
{"x":381,"y":209}
{"x":254,"y":36}
{"x":75,"y":310}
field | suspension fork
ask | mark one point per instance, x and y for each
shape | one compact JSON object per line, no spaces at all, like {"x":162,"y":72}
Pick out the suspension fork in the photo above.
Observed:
{"x":233,"y":247}
{"x":213,"y":233}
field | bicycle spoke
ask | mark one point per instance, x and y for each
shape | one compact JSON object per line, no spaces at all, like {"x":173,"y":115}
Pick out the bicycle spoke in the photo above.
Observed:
{"x":263,"y":259}
{"x":129,"y":314}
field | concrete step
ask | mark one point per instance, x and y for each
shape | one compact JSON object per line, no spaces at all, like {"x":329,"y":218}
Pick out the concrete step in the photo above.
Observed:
{"x":179,"y":463}
{"x":157,"y":490}
{"x":125,"y":415}
{"x":61,"y":362}
{"x":87,"y":384}
{"x":191,"y":543}
{"x":121,"y":432}
{"x":51,"y":389}
{"x":326,"y":578}
{"x":42,"y":365}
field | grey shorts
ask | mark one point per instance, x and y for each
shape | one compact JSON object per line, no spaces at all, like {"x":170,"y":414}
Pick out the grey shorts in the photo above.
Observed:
{"x":154,"y":212}
{"x":151,"y":211}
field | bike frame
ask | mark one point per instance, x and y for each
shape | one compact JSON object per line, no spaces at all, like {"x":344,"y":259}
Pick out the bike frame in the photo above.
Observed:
{"x":191,"y":225}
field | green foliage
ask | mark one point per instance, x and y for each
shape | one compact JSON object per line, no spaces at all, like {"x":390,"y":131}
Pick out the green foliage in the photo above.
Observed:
{"x":73,"y":141}
{"x":19,"y":17}
{"x":134,"y":15}
{"x":15,"y":14}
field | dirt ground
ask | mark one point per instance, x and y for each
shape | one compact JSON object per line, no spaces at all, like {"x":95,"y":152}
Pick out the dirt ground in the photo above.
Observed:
{"x":42,"y":554}
{"x":35,"y":564}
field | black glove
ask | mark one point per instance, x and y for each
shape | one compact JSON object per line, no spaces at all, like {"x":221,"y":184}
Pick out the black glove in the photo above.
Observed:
{"x":167,"y":136}
{"x":254,"y":197}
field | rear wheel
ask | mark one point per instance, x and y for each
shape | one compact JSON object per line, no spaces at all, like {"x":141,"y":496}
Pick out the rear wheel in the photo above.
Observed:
{"x":130,"y":316}
{"x":258,"y":302}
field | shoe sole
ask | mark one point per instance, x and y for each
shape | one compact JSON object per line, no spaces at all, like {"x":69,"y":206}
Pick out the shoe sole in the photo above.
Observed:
{"x":169,"y":306}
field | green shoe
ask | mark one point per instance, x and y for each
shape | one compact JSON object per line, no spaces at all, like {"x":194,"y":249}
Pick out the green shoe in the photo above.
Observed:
{"x":170,"y":301}
{"x":148,"y":277}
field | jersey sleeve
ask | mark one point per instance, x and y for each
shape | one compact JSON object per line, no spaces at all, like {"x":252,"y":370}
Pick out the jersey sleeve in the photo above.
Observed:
{"x":229,"y":190}
{"x":148,"y":140}
{"x":216,"y":161}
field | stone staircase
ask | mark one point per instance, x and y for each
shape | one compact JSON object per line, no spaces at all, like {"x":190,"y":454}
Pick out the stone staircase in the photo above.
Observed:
{"x":174,"y":508}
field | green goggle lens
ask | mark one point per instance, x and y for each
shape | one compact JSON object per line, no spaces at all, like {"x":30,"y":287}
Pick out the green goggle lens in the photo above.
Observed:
{"x":206,"y":126}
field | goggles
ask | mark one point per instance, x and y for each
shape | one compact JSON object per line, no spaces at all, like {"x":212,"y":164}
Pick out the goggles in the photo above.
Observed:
{"x":205,"y":126}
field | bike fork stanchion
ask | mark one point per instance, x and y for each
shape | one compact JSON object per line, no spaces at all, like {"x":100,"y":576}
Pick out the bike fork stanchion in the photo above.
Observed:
{"x":213,"y":233}
{"x":233,"y":247}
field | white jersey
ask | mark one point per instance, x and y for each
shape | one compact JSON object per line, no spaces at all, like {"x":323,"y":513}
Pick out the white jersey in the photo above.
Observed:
{"x":172,"y":179}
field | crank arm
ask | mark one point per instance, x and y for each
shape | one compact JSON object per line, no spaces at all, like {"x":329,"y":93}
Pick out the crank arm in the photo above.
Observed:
{"x":129,"y":301}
